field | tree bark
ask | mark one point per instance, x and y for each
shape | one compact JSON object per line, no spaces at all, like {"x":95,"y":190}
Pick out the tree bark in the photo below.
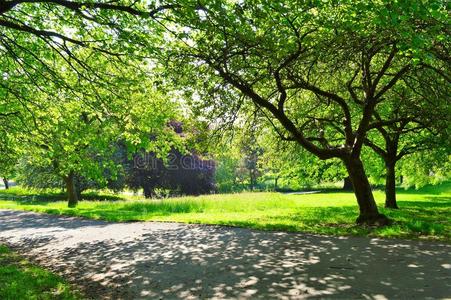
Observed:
{"x":5,"y":181}
{"x":71,"y":190}
{"x":148,"y":191}
{"x":369,"y":213}
{"x":252,"y":178}
{"x":390,"y":184}
{"x":347,"y":184}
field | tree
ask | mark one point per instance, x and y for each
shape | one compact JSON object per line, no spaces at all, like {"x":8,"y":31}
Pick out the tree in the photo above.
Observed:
{"x":74,"y":131}
{"x":34,"y":173}
{"x":426,"y":167}
{"x":180,"y":171}
{"x":319,"y":72}
{"x":36,"y":33}
{"x":251,"y":153}
{"x":6,"y":170}
{"x":10,"y":122}
{"x":294,"y":167}
{"x":52,"y":49}
{"x":425,"y":128}
{"x":60,"y":28}
{"x":225,"y":176}
{"x":8,"y":160}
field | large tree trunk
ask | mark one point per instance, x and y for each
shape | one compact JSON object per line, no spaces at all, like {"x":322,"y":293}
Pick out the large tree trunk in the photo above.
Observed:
{"x":252,"y":178}
{"x":5,"y":181}
{"x":71,"y":190}
{"x":347,"y":184}
{"x":390,"y":184}
{"x":148,"y":191}
{"x":369,"y":213}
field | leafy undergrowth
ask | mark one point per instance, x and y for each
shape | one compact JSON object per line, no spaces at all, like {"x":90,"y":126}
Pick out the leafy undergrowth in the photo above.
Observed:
{"x":423,"y":214}
{"x":19,"y":279}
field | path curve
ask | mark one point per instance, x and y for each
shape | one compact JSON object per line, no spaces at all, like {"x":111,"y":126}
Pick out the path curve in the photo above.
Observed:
{"x":148,"y":260}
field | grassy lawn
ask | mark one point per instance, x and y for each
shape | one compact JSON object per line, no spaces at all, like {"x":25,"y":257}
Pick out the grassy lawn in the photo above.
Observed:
{"x":21,"y":280}
{"x":424,"y":214}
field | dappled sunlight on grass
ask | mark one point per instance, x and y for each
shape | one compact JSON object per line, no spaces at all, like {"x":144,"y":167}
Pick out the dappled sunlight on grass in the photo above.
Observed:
{"x":21,"y":280}
{"x":421,"y":215}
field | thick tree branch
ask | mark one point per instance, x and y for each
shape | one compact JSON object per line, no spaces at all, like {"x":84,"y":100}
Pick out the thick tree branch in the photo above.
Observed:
{"x":351,"y":88}
{"x":300,"y":83}
{"x":375,"y":148}
{"x":412,"y":149}
{"x":7,"y":114}
{"x":5,"y":6}
{"x":392,"y":82}
{"x":384,"y":68}
{"x":44,"y":33}
{"x":51,"y":34}
{"x":279,"y":115}
{"x":382,"y":123}
{"x":438,"y":71}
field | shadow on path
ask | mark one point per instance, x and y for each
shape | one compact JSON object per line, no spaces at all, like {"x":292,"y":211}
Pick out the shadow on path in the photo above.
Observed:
{"x":167,"y":260}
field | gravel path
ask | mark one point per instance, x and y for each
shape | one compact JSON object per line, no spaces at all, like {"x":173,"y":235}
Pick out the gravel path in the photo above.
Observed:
{"x":147,"y":260}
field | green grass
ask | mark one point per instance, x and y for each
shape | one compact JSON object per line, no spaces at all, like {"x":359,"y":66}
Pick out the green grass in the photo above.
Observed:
{"x":46,"y":195}
{"x":423,"y":214}
{"x":19,"y":279}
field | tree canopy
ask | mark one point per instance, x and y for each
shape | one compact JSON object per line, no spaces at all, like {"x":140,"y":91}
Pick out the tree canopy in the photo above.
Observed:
{"x":330,"y":77}
{"x":320,"y":72}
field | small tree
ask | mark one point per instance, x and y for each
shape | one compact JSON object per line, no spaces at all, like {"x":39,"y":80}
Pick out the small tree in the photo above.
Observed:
{"x":424,"y":128}
{"x":251,"y":153}
{"x":76,"y":131}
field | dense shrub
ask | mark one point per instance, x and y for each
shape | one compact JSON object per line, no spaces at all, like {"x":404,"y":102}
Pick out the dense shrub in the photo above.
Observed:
{"x":186,"y":174}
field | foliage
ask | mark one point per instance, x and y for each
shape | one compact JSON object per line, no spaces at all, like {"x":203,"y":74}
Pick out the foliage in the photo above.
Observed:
{"x":225,"y":175}
{"x":80,"y":77}
{"x":33,"y":175}
{"x":72,"y":133}
{"x":184,"y":173}
{"x":320,"y":72}
{"x":181,"y":174}
{"x":72,"y":86}
{"x":9,"y":150}
{"x":427,"y":167}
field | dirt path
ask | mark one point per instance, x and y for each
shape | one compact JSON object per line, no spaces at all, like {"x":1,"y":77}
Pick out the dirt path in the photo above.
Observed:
{"x":174,"y":261}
